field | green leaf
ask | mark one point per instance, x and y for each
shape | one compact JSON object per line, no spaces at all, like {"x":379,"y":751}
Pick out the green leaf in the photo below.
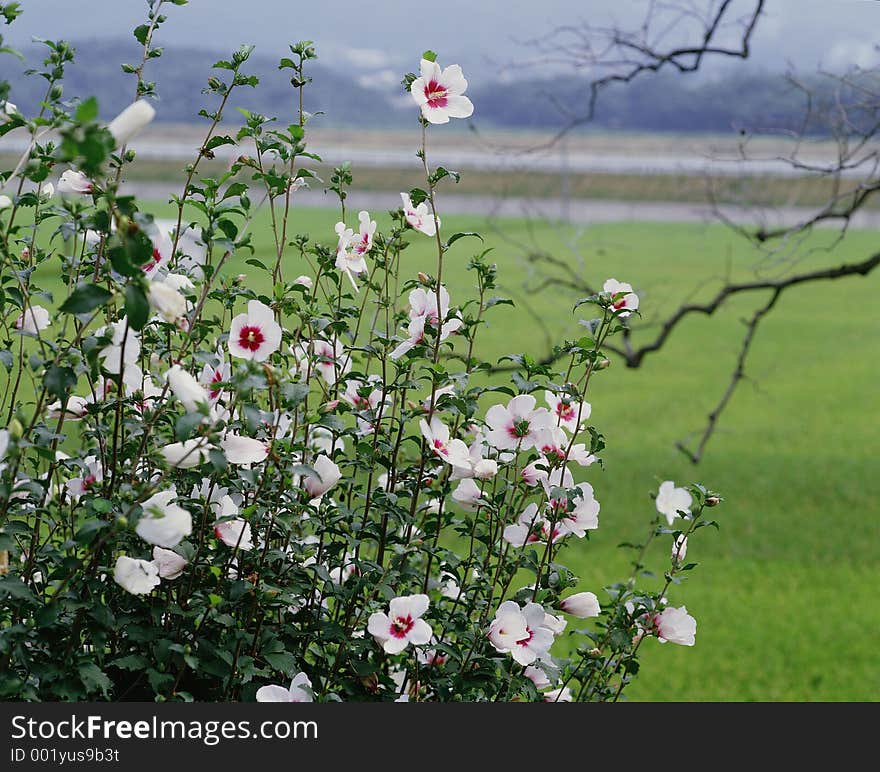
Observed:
{"x":59,"y":381}
{"x":86,"y":533}
{"x":85,"y":298}
{"x":87,"y":111}
{"x":140,"y":33}
{"x":137,"y":308}
{"x":460,"y":235}
{"x":430,"y":56}
{"x":186,"y":425}
{"x":12,"y":586}
{"x":93,"y":677}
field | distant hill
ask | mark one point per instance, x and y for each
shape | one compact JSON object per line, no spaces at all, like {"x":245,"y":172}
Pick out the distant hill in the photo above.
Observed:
{"x":743,"y":100}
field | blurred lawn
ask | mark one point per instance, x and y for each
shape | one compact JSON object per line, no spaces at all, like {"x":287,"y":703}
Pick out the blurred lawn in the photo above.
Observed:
{"x":786,"y":593}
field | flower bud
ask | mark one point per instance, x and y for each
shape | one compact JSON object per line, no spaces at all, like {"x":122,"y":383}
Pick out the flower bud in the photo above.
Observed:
{"x":712,"y":501}
{"x":582,"y":605}
{"x":130,"y":121}
{"x":16,"y":430}
{"x":5,"y":202}
{"x":425,"y":279}
{"x":603,"y":364}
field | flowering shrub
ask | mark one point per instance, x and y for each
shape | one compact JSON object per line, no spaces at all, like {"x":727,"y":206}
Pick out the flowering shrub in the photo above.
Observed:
{"x":214,"y":486}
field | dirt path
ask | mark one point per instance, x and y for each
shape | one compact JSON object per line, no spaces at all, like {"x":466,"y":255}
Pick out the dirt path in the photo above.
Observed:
{"x":582,"y":211}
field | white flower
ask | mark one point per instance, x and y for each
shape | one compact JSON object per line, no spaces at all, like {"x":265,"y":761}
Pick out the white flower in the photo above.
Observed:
{"x":235,"y":532}
{"x":124,"y":348}
{"x":518,"y":424}
{"x":562,"y":694}
{"x":453,"y":452}
{"x":92,"y":473}
{"x":329,"y":475}
{"x":8,"y":109}
{"x":351,"y":249}
{"x":300,"y":691}
{"x":439,"y":93}
{"x":675,"y":625}
{"x":565,"y":411}
{"x":521,"y":631}
{"x":485,"y":468}
{"x":4,"y":442}
{"x":254,"y":335}
{"x":75,"y":409}
{"x":138,"y":577}
{"x":187,"y":389}
{"x":555,"y":624}
{"x":162,"y":246}
{"x":169,"y":563}
{"x":167,"y":301}
{"x":76,"y":182}
{"x":537,"y":676}
{"x":130,"y":121}
{"x":187,"y":454}
{"x":244,"y":450}
{"x":424,"y":311}
{"x":468,"y":494}
{"x":305,"y":281}
{"x":522,"y":532}
{"x":419,"y":217}
{"x":578,"y":518}
{"x":46,"y":190}
{"x":329,"y":359}
{"x":210,"y":377}
{"x":34,"y":319}
{"x":164,"y":523}
{"x":581,"y":604}
{"x":626,"y":300}
{"x":679,"y":549}
{"x":402,"y":625}
{"x":671,"y":500}
{"x":5,"y":202}
{"x":449,"y":587}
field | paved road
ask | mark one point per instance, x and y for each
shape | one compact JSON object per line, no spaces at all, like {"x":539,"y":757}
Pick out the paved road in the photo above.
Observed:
{"x":576,"y":210}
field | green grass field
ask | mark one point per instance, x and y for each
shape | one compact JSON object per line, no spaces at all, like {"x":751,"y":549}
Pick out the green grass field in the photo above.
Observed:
{"x":785,"y":593}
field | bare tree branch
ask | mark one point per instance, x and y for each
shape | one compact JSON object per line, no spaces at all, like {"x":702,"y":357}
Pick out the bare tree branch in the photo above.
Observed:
{"x":738,"y":375}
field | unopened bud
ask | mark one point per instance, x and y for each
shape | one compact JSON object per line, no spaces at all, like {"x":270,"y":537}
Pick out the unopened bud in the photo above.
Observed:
{"x":240,"y":278}
{"x":371,"y":682}
{"x":25,"y":254}
{"x":603,"y":364}
{"x":16,"y":430}
{"x":330,"y":406}
{"x":424,"y":279}
{"x":594,"y":652}
{"x":712,"y":501}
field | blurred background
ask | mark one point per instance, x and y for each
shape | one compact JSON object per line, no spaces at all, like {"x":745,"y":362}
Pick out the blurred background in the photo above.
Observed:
{"x":720,"y":156}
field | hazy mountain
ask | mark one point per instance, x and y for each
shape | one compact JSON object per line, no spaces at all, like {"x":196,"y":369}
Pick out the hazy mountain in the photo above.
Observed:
{"x":742,"y":98}
{"x":485,"y":37}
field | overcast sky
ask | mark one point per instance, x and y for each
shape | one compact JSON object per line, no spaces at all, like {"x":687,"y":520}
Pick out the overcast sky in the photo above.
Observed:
{"x":390,"y":34}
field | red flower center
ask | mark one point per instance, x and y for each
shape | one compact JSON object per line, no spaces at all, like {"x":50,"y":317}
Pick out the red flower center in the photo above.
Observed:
{"x":436,"y":94}
{"x":400,"y":626}
{"x":525,"y":641}
{"x":157,"y":256}
{"x":251,"y":337}
{"x":619,"y":304}
{"x":440,"y":448}
{"x":565,"y":411}
{"x":216,"y":378}
{"x":519,"y":428}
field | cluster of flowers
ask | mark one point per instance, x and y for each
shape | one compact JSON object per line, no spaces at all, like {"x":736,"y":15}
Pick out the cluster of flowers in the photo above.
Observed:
{"x":519,"y":445}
